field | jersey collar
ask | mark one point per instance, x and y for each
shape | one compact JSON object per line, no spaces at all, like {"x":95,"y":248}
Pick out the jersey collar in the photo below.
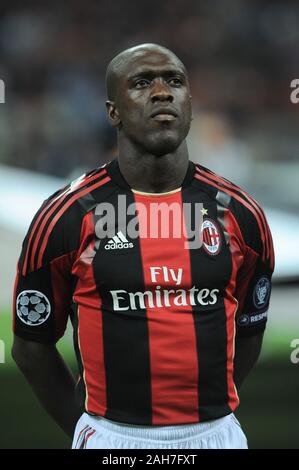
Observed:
{"x":114,"y":172}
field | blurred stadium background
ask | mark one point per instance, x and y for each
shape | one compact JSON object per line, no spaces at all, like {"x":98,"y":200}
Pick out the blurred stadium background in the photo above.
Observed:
{"x":242,"y":56}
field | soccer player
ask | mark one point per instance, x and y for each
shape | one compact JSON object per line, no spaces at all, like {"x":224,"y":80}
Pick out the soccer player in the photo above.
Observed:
{"x":165,"y":330}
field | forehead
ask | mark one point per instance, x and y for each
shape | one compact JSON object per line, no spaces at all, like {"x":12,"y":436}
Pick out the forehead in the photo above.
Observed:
{"x":150,"y":60}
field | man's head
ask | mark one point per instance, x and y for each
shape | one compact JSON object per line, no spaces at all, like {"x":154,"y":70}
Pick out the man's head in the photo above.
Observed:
{"x":149,"y":98}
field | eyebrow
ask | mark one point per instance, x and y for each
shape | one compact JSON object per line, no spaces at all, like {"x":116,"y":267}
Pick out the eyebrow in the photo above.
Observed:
{"x":150,"y":73}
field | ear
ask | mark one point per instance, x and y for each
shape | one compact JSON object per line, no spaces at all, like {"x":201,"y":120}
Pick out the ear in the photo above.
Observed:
{"x":112,"y":113}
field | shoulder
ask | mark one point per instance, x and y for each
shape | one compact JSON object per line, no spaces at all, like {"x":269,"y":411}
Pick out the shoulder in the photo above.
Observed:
{"x":247,"y":211}
{"x":56,"y":227}
{"x":222,"y":186}
{"x":67,"y":197}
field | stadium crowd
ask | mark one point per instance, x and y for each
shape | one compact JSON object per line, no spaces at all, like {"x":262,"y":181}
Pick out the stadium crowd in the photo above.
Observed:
{"x":241,"y":55}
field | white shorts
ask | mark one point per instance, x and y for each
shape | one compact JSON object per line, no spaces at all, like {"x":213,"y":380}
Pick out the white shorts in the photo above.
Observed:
{"x":99,"y":433}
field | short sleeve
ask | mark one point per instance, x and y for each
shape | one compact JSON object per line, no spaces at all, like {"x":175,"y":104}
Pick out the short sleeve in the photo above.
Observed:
{"x":44,"y":282}
{"x":254,"y":280}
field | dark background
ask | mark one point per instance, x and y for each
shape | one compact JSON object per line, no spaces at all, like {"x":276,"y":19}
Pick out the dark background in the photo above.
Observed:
{"x":241,"y":56}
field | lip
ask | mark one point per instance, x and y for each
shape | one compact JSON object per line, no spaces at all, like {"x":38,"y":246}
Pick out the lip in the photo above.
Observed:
{"x":164,"y":117}
{"x":163,"y":114}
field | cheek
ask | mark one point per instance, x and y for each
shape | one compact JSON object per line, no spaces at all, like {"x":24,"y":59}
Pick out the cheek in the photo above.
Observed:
{"x":187,"y":105}
{"x":132,"y":114}
{"x":187,"y":113}
{"x":133,"y":106}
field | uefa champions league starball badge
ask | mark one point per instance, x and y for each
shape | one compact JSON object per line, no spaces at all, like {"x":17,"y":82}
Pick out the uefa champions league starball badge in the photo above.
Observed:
{"x":33,"y":307}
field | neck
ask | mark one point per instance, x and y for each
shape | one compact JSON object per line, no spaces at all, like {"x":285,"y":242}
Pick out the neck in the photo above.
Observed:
{"x":150,"y":173}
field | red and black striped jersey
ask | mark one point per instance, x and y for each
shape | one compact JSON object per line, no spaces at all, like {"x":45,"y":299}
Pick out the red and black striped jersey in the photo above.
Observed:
{"x":154,"y":316}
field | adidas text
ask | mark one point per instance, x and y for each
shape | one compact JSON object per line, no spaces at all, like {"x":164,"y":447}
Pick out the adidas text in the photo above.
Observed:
{"x":118,"y":246}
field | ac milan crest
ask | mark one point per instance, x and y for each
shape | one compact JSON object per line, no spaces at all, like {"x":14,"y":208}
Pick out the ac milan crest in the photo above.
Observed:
{"x":211,"y":237}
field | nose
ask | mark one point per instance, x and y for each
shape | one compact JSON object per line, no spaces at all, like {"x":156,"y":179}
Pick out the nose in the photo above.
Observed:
{"x":161,"y":92}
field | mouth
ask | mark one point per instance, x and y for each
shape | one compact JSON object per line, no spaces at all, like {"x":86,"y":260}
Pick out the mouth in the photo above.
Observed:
{"x":164,"y":114}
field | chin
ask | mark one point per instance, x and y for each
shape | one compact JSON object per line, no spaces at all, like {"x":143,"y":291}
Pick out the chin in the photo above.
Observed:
{"x":161,"y":145}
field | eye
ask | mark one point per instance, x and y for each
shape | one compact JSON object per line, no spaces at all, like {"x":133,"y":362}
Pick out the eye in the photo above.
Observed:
{"x":141,"y":83}
{"x":175,"y":81}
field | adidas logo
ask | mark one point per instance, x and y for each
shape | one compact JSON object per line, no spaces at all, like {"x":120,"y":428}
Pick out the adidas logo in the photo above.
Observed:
{"x":118,"y":242}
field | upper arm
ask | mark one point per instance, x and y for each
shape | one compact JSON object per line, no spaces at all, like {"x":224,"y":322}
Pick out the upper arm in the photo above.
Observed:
{"x":254,"y":279}
{"x":252,"y":344}
{"x":44,"y":281}
{"x":35,"y":359}
{"x":25,"y":352}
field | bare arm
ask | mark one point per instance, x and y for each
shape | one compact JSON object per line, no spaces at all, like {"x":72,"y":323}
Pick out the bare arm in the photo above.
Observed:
{"x":247,"y":351}
{"x":51,"y":380}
